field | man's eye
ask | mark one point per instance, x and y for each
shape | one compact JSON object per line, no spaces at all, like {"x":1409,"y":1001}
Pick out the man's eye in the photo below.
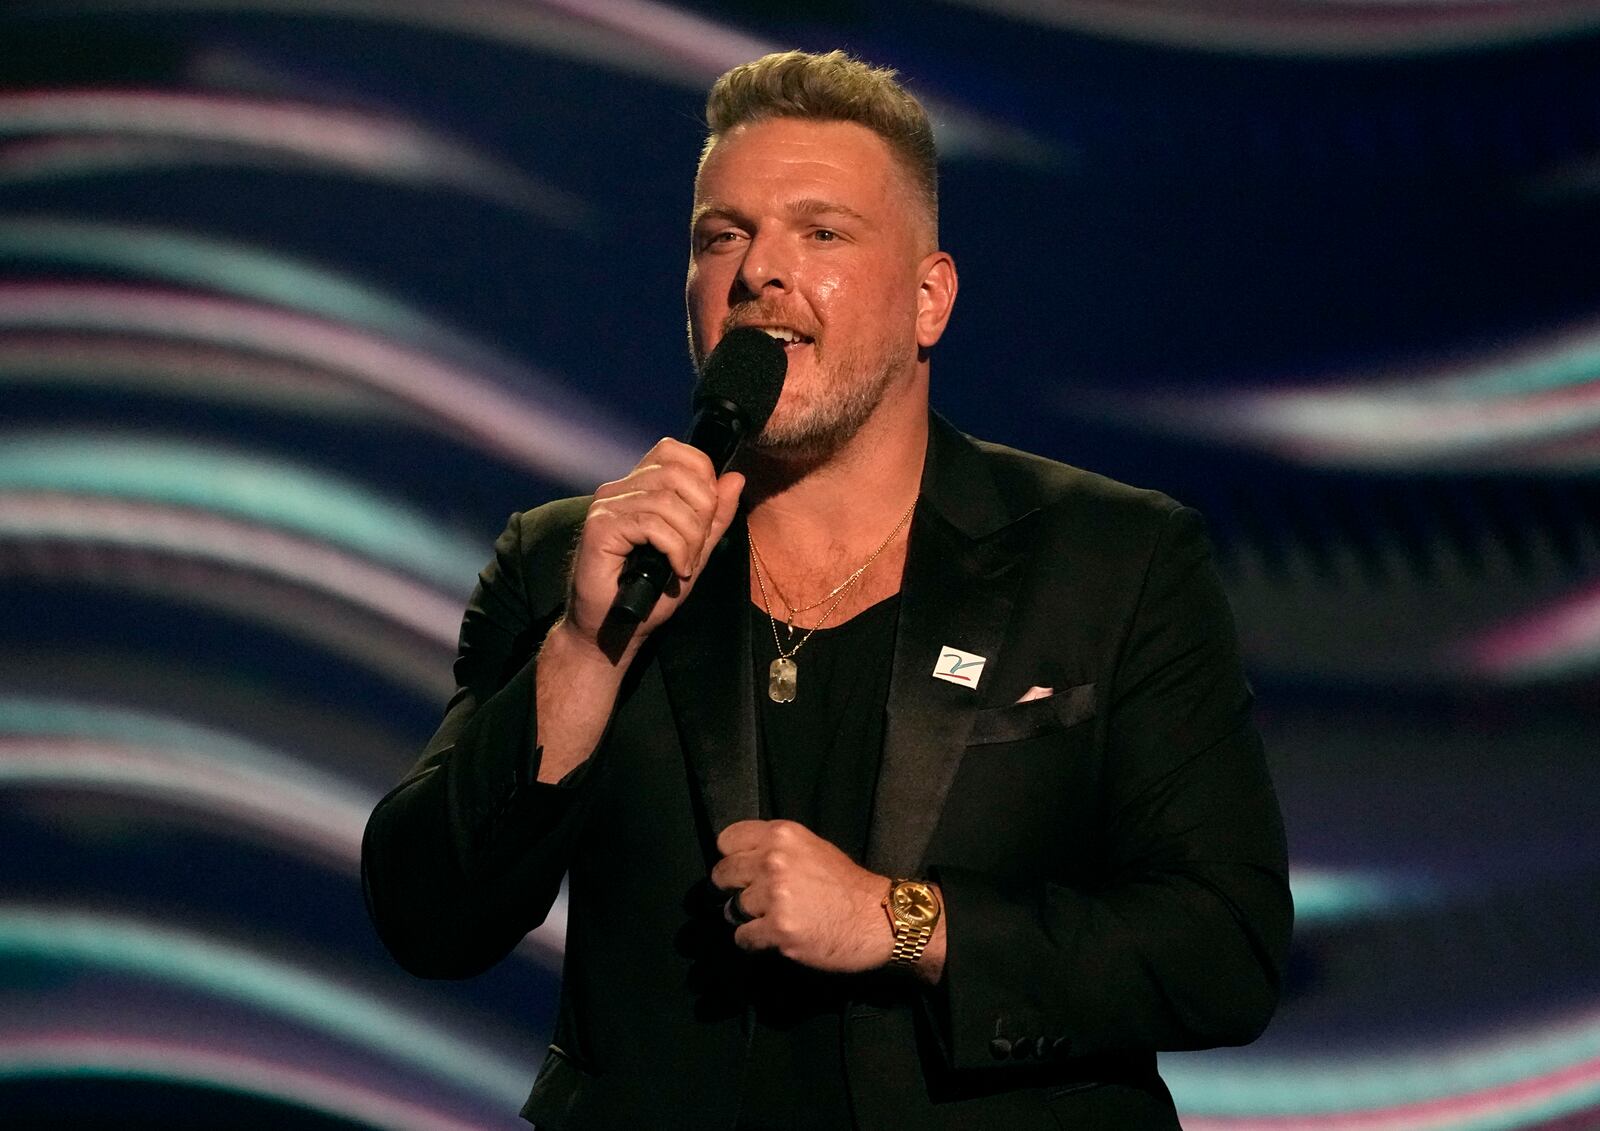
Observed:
{"x":825,"y":235}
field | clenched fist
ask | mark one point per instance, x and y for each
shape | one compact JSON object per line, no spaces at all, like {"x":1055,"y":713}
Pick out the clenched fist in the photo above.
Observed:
{"x":805,"y":898}
{"x":674,"y":501}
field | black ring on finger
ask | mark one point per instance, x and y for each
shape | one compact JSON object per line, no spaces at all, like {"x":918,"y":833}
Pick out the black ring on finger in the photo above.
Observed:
{"x":733,"y":911}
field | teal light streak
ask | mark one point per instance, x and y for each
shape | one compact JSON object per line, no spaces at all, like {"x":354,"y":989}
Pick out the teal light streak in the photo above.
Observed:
{"x":231,"y":268}
{"x":260,"y":490}
{"x":238,"y":975}
{"x":1327,"y":896}
{"x":47,"y":718}
{"x":1221,"y":1085}
{"x":1561,"y":364}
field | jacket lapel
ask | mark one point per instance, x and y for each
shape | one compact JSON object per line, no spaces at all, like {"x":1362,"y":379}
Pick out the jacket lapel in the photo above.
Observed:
{"x":705,"y":662}
{"x":963,"y":567}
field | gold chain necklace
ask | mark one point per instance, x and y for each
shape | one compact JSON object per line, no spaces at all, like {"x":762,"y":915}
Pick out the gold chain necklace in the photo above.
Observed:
{"x":783,"y":674}
{"x":788,"y":624}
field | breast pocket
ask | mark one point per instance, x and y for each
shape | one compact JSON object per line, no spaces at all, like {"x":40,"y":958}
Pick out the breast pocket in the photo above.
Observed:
{"x":1017,"y":721}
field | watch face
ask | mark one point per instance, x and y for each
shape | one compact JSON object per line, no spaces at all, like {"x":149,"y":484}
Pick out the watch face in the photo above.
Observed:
{"x":915,"y":904}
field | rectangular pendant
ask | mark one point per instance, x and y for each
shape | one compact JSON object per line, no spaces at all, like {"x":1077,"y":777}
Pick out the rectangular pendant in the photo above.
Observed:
{"x":781,"y":678}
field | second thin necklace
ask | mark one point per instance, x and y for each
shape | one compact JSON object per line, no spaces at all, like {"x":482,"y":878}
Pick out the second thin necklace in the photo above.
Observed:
{"x":783,"y":674}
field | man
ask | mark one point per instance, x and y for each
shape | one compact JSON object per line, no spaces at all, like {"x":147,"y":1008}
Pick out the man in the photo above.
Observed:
{"x":927,"y":796}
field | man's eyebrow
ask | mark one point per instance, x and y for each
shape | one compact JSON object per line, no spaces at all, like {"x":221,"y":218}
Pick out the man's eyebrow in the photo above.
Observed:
{"x":712,"y":208}
{"x":812,"y":206}
{"x":804,"y":208}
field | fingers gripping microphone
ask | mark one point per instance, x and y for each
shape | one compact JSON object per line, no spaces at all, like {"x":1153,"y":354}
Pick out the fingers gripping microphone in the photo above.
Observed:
{"x":736,"y":393}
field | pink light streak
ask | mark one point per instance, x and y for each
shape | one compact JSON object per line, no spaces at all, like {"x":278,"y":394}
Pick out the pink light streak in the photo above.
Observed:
{"x":102,"y":126}
{"x":289,"y":799}
{"x":568,"y":449}
{"x":1452,"y":1113}
{"x":390,"y":623}
{"x":1547,"y":641}
{"x":237,"y":546}
{"x":70,"y":1054}
{"x":1371,"y":27}
{"x":637,"y":36}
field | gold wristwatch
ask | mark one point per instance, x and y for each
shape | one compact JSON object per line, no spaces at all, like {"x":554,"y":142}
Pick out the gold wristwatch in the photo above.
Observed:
{"x":913,"y":910}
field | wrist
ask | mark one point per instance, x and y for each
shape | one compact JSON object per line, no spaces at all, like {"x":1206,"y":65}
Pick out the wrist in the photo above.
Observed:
{"x":566,"y":646}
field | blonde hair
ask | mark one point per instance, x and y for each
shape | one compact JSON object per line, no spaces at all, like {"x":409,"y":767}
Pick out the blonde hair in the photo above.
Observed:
{"x":830,"y":88}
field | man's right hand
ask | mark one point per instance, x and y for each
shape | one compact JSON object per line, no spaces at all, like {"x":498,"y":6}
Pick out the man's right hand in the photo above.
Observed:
{"x":672,"y":500}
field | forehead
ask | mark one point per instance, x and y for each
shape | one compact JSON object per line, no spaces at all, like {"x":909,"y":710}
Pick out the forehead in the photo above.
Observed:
{"x":798,"y":158}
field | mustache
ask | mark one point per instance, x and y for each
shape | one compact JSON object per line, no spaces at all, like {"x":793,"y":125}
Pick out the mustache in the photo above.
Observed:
{"x":766,"y":314}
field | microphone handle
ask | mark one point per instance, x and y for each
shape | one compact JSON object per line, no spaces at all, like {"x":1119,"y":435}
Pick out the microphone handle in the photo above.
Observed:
{"x":718,"y":428}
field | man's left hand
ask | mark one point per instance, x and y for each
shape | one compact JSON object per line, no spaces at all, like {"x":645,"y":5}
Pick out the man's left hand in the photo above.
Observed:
{"x":806,"y":898}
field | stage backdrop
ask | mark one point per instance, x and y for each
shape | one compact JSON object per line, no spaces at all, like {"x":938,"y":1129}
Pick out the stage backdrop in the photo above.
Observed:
{"x":299,"y":299}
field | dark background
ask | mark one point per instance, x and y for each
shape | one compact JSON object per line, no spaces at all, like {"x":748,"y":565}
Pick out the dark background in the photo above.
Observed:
{"x":300,"y":298}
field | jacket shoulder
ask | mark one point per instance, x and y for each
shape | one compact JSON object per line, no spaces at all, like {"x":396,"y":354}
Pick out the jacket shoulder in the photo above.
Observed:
{"x":1034,"y":483}
{"x":533,"y":551}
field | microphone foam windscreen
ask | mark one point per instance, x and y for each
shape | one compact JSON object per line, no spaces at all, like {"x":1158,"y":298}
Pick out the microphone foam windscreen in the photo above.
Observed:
{"x":746,"y":369}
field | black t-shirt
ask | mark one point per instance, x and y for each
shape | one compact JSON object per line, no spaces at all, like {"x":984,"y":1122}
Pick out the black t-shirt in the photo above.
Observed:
{"x":819,"y":758}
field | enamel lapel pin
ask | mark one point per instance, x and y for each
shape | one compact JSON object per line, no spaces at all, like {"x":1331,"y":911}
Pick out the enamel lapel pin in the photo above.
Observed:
{"x":956,"y":666}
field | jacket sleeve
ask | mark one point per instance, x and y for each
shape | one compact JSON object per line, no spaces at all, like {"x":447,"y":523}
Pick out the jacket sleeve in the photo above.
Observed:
{"x":465,"y":856}
{"x":1183,"y":942}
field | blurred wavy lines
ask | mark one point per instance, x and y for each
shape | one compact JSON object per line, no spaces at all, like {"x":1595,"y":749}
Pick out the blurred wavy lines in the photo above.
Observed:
{"x":1517,"y":408}
{"x":259,"y":275}
{"x":1336,"y":896}
{"x":457,"y":399}
{"x":1547,"y":643}
{"x":1355,"y":27}
{"x":293,"y":803}
{"x":74,"y":1059}
{"x":107,"y":131}
{"x":316,"y":593}
{"x":1517,"y":1077}
{"x":655,"y":40}
{"x":260,"y":490}
{"x":217,"y":969}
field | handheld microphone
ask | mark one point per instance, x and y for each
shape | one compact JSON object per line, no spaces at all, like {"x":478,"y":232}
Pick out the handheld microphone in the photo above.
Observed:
{"x":738,"y":388}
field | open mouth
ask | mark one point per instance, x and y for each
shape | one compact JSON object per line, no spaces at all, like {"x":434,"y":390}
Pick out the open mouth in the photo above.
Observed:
{"x":791,"y":339}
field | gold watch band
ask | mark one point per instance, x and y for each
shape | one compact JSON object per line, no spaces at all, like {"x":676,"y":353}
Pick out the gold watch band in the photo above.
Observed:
{"x":909,"y":943}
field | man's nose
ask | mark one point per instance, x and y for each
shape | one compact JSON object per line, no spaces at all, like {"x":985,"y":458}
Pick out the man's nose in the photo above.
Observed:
{"x":767,"y":266}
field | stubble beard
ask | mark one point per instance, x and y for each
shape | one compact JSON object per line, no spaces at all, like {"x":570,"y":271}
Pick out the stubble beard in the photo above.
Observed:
{"x":840,"y":399}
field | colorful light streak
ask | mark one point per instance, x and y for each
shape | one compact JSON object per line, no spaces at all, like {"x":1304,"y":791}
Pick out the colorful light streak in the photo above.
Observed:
{"x":641,"y":37}
{"x":240,"y":271}
{"x":1549,"y":643}
{"x":197,"y":1064}
{"x":268,"y":493}
{"x":194,"y":372}
{"x":257,"y":275}
{"x":388,"y":622}
{"x":546,"y":439}
{"x":1515,"y":1079}
{"x":1331,"y":896}
{"x":354,"y":141}
{"x":1329,"y":27}
{"x":232,"y":973}
{"x":1525,"y":407}
{"x":61,"y":743}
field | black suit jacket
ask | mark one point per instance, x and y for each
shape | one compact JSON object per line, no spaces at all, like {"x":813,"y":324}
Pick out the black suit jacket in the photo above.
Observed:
{"x":1111,"y":856}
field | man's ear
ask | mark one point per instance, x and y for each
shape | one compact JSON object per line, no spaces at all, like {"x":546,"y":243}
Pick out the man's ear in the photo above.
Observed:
{"x":936,"y":297}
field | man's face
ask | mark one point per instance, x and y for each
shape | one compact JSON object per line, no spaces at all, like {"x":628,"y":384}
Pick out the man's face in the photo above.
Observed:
{"x":809,"y":229}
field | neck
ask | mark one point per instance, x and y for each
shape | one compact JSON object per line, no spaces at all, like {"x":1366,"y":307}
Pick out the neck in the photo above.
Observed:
{"x":850,"y":501}
{"x":816,"y":525}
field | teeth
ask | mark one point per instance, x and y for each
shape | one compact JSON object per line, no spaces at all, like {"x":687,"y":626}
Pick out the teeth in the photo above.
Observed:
{"x":782,"y":333}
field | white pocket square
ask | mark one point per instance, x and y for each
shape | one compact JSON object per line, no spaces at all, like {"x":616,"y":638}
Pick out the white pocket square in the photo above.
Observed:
{"x":1033,"y":693}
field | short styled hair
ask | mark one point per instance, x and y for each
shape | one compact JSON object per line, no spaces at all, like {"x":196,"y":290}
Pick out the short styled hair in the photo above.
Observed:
{"x":830,"y":88}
